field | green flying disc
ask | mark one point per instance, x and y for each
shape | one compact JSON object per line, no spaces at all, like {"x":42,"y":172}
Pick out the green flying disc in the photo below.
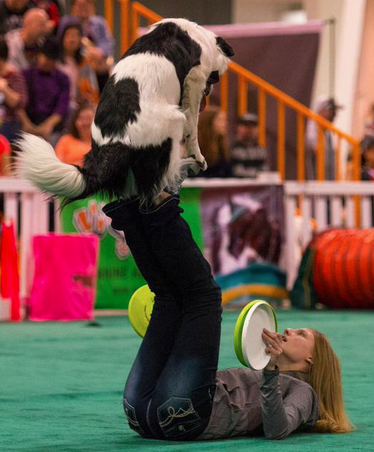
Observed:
{"x":248,"y":344}
{"x":140,"y":309}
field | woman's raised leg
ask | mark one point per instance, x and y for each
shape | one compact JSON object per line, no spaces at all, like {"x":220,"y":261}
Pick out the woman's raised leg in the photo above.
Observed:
{"x":182,"y":400}
{"x":165,"y":320}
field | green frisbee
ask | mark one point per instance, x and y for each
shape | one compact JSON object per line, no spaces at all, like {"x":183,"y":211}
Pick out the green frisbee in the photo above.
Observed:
{"x":140,"y":309}
{"x":248,"y":344}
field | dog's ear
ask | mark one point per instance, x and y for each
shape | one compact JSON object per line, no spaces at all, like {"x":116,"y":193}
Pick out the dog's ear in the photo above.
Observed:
{"x":226,"y":49}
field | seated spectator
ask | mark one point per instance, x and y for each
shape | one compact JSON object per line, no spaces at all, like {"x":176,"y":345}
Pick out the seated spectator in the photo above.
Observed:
{"x":212,"y":138}
{"x":48,"y":90}
{"x":87,"y":79}
{"x":248,"y":158}
{"x":13,"y":95}
{"x":95,"y":28}
{"x":11,"y":14}
{"x":327,"y":108}
{"x":23,"y":43}
{"x":367,"y":149}
{"x":72,"y":148}
{"x":53,"y":9}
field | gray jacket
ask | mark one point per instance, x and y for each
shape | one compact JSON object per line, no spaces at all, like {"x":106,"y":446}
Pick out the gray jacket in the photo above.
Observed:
{"x":249,"y":403}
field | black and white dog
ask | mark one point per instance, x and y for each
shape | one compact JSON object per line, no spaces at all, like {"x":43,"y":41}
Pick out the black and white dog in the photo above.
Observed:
{"x":149,"y":106}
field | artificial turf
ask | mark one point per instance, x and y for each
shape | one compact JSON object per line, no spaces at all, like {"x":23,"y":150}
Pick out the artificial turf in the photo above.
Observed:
{"x":61,"y":386}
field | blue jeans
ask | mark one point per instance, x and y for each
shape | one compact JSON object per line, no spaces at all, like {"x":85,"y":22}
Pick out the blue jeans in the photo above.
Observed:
{"x":170,"y":388}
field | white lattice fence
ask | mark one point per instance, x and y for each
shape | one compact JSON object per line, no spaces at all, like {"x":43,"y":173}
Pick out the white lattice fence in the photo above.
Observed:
{"x":27,"y":208}
{"x":320,"y":206}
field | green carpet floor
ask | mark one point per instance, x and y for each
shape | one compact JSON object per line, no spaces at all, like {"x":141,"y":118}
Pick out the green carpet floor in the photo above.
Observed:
{"x":61,"y":386}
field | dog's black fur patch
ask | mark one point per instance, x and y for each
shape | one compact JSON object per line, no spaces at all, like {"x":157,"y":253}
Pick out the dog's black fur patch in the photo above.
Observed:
{"x":170,"y":41}
{"x":122,"y":100}
{"x":106,"y":168}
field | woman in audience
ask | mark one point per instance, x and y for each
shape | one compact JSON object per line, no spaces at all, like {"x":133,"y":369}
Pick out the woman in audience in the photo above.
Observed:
{"x":72,"y":148}
{"x":212,"y":134}
{"x":95,"y":28}
{"x":87,"y":71}
{"x":13,"y":95}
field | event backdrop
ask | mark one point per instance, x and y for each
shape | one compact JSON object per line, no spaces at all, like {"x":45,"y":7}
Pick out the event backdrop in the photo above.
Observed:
{"x":233,"y":226}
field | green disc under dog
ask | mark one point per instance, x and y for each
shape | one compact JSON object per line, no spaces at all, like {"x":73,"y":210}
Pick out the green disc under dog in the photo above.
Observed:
{"x":248,"y":343}
{"x":140,"y":309}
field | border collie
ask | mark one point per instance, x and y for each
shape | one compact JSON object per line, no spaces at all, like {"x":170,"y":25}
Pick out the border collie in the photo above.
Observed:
{"x":149,"y":106}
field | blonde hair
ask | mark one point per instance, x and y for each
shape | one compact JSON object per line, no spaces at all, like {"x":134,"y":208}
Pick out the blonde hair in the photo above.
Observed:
{"x":213,"y":145}
{"x":325,"y":379}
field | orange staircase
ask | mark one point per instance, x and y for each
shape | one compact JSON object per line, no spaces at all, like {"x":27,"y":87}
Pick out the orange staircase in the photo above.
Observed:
{"x":133,"y":15}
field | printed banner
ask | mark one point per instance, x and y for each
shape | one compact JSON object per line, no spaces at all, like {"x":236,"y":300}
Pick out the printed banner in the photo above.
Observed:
{"x":233,"y":227}
{"x":242,"y":225}
{"x":118,"y":275}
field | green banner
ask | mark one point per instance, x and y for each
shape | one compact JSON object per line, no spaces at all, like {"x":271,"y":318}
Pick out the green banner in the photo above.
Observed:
{"x":190,"y":203}
{"x":118,"y":275}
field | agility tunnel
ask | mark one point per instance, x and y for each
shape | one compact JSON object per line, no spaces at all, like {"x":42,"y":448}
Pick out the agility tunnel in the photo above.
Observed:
{"x":337,"y":271}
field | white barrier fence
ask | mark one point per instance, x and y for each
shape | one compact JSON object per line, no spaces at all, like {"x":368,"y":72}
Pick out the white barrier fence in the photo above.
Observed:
{"x":322,"y":205}
{"x":26,"y":207}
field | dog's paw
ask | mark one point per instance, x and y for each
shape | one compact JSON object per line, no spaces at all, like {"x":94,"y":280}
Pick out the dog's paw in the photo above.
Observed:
{"x":196,"y":167}
{"x":190,"y":167}
{"x":193,"y":170}
{"x":203,"y":165}
{"x":200,"y":160}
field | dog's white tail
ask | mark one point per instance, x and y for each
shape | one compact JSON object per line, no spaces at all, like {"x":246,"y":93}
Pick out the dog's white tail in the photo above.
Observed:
{"x":37,"y":162}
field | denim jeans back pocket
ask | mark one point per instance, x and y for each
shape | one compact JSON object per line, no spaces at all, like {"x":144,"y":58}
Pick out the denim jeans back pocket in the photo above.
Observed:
{"x":131,"y":417}
{"x":177,"y":417}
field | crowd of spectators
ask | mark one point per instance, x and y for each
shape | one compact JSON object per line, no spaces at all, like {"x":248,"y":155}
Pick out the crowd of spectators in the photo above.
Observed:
{"x":45,"y":49}
{"x":241,"y":156}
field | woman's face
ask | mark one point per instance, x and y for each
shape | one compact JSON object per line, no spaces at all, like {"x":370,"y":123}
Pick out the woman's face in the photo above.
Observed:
{"x":220,"y":123}
{"x":72,"y":40}
{"x":84,"y":121}
{"x":298,"y":345}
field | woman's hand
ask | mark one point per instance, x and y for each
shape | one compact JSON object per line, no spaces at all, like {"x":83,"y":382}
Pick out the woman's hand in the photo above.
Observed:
{"x":273,"y":348}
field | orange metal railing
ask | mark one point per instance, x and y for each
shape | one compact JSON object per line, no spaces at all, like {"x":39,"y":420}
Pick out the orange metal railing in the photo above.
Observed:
{"x":124,"y":6}
{"x":303,"y":113}
{"x":132,"y":13}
